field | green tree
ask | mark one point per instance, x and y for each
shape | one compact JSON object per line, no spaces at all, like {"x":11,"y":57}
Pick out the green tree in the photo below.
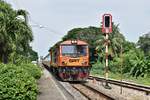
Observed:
{"x":144,"y":43}
{"x":33,"y":55}
{"x":116,"y":39}
{"x":96,"y":39}
{"x":141,"y":67}
{"x":141,"y":64}
{"x":90,"y":35}
{"x":15,"y":33}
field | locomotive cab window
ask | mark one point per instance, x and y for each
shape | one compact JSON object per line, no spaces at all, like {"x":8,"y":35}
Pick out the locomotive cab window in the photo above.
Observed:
{"x":74,"y":50}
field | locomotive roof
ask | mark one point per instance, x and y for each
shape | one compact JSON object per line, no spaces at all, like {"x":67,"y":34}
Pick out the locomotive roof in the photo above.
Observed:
{"x":79,"y":42}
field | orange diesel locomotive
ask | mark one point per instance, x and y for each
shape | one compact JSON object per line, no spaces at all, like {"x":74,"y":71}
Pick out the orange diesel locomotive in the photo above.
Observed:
{"x":70,"y":60}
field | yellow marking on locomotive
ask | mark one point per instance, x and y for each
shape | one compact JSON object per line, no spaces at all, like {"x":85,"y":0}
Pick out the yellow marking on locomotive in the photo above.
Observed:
{"x":75,"y":61}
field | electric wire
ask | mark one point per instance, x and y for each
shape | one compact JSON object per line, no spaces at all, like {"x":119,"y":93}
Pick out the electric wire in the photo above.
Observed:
{"x":35,"y":23}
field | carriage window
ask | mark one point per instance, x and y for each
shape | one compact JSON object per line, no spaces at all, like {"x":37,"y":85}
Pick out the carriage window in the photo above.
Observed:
{"x":78,"y":50}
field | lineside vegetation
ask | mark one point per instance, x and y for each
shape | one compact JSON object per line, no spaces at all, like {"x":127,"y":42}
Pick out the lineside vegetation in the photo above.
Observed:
{"x":19,"y":82}
{"x":17,"y":75}
{"x":136,"y":56}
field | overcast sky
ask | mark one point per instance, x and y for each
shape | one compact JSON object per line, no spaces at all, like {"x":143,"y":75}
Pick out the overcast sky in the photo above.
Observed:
{"x":60,"y":16}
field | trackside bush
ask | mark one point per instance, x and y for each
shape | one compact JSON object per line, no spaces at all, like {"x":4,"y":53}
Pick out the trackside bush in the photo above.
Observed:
{"x":16,"y":83}
{"x":32,"y":69}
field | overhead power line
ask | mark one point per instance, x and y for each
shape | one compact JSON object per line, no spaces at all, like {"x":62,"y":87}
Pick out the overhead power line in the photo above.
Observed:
{"x":36,"y":24}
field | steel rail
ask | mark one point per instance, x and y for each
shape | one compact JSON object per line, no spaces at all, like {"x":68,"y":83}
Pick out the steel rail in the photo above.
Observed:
{"x":138,"y":87}
{"x":89,"y":88}
{"x":81,"y":92}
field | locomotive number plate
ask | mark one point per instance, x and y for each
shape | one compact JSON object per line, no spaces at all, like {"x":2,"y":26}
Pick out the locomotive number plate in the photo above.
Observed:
{"x":73,"y":60}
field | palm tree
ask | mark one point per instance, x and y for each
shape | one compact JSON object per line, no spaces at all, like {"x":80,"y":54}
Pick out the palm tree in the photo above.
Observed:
{"x":115,"y":41}
{"x":4,"y":38}
{"x":15,"y":34}
{"x":23,"y":35}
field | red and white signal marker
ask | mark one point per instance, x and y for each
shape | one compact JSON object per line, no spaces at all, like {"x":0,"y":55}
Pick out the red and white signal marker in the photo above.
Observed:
{"x":107,"y":23}
{"x":106,"y":29}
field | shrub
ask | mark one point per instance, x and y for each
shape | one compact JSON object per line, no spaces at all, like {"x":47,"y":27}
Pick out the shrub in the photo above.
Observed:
{"x":98,"y":68}
{"x":32,"y":69}
{"x":141,"y":68}
{"x":16,"y":83}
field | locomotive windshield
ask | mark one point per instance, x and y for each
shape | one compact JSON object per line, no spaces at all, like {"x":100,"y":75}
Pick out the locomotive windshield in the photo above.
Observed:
{"x":74,"y":50}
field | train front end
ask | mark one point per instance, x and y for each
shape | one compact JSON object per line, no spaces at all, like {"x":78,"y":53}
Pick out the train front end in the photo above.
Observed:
{"x":74,"y":61}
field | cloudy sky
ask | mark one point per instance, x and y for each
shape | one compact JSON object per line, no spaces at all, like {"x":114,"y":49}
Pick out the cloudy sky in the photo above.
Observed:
{"x":60,"y":16}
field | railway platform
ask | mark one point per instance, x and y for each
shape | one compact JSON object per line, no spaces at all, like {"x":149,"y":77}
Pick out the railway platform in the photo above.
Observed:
{"x":48,"y":88}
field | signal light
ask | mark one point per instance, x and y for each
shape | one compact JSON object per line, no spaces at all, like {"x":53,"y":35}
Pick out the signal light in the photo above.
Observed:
{"x":107,"y":23}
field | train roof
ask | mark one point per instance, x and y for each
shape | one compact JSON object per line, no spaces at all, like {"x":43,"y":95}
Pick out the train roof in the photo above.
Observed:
{"x":77,"y":42}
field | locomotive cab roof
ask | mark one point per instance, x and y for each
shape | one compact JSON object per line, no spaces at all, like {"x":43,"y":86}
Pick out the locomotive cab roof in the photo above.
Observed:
{"x":77,"y":42}
{"x":67,"y":42}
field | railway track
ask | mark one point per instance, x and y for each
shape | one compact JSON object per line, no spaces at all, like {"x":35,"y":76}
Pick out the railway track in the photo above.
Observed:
{"x":90,"y":93}
{"x":138,"y":87}
{"x":66,"y":87}
{"x":85,"y":90}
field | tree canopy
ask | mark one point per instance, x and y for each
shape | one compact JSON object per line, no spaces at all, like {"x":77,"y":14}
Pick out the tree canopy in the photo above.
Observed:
{"x":134,"y":61}
{"x":15,"y":33}
{"x":144,"y":43}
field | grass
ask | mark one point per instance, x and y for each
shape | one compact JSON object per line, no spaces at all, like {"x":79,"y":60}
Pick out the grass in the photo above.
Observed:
{"x":99,"y":71}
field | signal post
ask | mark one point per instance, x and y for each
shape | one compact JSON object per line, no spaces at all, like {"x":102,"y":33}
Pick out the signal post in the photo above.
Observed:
{"x":106,"y":29}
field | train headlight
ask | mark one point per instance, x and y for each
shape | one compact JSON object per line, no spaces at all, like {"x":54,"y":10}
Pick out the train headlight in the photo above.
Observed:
{"x":74,"y":41}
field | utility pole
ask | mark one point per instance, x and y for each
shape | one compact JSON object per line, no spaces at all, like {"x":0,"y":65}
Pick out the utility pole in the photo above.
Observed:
{"x":106,"y":29}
